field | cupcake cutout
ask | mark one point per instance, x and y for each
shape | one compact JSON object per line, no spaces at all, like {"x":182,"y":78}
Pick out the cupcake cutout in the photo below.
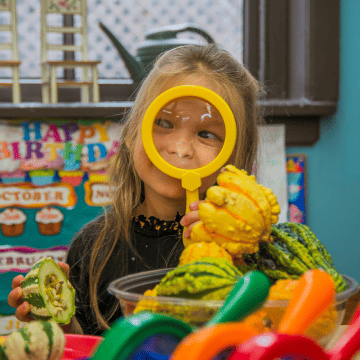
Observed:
{"x":49,"y":220}
{"x":42,"y":177}
{"x":12,"y":222}
{"x":35,"y":163}
{"x":15,"y":177}
{"x":99,"y":177}
{"x":74,"y":178}
{"x":9,"y":165}
{"x":10,"y":172}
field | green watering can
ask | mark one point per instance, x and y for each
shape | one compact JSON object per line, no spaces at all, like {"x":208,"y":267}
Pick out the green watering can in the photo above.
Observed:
{"x":156,"y":42}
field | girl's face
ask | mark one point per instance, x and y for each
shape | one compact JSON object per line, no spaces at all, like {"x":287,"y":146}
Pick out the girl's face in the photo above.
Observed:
{"x":188,"y":133}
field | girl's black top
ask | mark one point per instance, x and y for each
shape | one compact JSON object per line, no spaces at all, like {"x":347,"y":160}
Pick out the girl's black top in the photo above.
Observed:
{"x":158,"y":244}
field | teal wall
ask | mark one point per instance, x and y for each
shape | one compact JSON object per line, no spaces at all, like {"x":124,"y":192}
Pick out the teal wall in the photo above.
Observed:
{"x":334,"y":161}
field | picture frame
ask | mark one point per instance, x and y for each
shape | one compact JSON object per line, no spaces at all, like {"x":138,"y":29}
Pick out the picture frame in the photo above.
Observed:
{"x":297,"y":173}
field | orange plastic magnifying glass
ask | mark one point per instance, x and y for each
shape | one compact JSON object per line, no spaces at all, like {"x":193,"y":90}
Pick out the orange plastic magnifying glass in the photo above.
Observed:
{"x":209,"y":342}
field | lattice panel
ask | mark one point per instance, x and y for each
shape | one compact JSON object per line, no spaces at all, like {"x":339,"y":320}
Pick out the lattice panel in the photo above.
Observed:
{"x":129,"y":20}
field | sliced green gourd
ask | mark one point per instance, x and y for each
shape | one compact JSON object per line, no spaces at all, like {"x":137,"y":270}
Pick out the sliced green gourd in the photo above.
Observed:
{"x":48,"y":292}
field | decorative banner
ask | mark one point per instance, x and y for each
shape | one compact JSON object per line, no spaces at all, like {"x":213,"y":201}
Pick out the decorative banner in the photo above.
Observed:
{"x":50,"y":172}
{"x":297,"y":175}
{"x":21,"y":259}
{"x":96,"y":193}
{"x":31,"y":196}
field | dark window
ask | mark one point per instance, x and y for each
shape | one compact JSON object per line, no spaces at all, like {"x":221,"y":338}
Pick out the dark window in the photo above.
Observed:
{"x":292,"y":47}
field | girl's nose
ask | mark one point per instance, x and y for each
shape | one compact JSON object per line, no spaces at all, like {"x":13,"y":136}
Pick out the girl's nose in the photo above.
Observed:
{"x":181,"y":147}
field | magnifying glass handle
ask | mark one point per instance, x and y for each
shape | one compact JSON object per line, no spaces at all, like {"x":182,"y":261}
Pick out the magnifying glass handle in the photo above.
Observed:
{"x":191,"y":183}
{"x":191,"y":196}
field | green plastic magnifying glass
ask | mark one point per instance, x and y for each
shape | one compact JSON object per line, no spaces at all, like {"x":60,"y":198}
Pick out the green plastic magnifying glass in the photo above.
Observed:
{"x":190,"y":178}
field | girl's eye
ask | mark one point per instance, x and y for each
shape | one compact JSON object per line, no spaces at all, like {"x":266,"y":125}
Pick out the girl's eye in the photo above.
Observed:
{"x":208,"y":135}
{"x":164,"y":123}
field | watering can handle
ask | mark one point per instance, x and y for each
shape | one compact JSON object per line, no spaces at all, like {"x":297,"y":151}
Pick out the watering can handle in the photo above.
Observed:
{"x":170,"y":32}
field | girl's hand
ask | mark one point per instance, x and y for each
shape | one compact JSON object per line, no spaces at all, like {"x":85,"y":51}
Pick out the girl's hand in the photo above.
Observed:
{"x":15,"y":296}
{"x":15,"y":300}
{"x":191,"y":218}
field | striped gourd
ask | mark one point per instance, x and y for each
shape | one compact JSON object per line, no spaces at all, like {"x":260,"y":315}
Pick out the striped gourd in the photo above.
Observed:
{"x":206,"y":279}
{"x":48,"y":292}
{"x":40,"y":340}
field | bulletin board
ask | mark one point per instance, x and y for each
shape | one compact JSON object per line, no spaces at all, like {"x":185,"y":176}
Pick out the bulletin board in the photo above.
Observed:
{"x":53,"y":180}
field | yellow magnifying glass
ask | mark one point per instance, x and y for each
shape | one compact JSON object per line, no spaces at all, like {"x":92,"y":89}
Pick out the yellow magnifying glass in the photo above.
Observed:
{"x":174,"y":122}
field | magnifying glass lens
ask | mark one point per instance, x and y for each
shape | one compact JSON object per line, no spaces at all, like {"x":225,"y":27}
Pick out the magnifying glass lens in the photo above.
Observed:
{"x":189,"y":132}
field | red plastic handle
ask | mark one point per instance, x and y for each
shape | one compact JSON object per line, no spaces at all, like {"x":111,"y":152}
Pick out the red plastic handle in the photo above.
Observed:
{"x":272,"y":345}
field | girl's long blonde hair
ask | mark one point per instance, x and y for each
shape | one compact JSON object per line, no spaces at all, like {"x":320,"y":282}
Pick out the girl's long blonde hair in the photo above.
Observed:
{"x":238,"y":88}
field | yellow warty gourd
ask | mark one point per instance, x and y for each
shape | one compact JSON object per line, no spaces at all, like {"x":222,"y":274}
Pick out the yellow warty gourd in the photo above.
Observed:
{"x":201,"y":250}
{"x":237,"y":214}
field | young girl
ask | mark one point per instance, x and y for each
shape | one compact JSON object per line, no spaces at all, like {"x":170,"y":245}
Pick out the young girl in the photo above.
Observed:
{"x":142,"y":228}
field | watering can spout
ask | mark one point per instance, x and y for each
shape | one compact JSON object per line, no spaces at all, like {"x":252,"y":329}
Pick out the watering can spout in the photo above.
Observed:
{"x":135,"y":68}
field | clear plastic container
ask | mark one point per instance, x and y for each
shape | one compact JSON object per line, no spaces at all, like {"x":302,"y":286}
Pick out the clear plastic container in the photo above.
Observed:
{"x":130,"y":289}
